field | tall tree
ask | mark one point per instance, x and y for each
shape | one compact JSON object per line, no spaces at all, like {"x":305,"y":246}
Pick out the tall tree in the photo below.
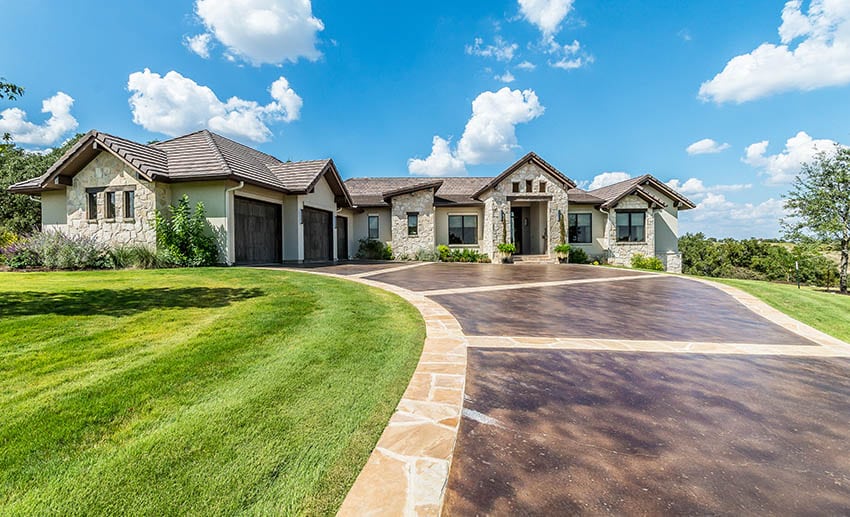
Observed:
{"x":819,"y":204}
{"x":8,"y":91}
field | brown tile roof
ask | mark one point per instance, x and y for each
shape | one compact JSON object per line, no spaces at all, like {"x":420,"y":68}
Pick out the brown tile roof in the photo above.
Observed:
{"x":453,"y":190}
{"x":582,"y":197}
{"x":612,"y":194}
{"x":196,"y":156}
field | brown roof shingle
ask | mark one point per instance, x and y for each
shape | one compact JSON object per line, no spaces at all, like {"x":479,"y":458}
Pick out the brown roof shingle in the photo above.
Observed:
{"x":453,"y":190}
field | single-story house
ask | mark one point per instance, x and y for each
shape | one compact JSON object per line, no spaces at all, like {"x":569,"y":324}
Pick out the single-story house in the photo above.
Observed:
{"x":268,"y":211}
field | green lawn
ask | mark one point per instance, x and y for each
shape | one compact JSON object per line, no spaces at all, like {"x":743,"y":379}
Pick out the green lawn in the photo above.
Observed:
{"x":209,"y":391}
{"x":827,"y":312}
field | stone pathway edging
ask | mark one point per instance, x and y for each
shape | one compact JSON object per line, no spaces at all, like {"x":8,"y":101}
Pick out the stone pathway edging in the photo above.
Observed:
{"x":407,"y":472}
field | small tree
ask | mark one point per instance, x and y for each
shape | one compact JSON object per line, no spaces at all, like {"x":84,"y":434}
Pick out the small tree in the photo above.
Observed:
{"x":819,"y":204}
{"x":185,"y":237}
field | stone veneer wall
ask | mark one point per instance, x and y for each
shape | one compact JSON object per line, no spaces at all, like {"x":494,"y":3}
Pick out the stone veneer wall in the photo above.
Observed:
{"x":496,"y":203}
{"x":106,"y":170}
{"x":620,"y":253}
{"x":421,"y":202}
{"x":672,"y":261}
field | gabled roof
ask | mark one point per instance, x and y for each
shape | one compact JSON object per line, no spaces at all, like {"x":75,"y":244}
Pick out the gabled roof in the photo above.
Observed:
{"x":583,"y":197}
{"x":201,"y":155}
{"x":528,"y":158}
{"x":612,"y":194}
{"x":375,"y":192}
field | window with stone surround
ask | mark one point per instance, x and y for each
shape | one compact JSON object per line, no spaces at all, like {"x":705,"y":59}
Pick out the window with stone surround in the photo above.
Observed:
{"x":463,"y":229}
{"x":529,"y":185}
{"x":109,"y":198}
{"x":413,"y":224}
{"x":541,"y":186}
{"x":373,"y":227}
{"x":515,"y":186}
{"x":631,"y":226}
{"x":580,"y":228}
{"x":129,"y":204}
{"x":91,"y":206}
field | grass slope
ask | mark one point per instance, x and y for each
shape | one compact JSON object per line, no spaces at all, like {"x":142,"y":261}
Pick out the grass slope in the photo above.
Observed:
{"x":210,"y":391}
{"x":827,"y":312}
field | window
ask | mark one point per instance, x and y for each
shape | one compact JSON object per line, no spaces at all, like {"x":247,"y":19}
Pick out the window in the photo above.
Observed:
{"x":373,"y":227}
{"x":110,"y":205}
{"x":528,"y":185}
{"x":515,"y":186}
{"x":91,"y":206}
{"x":580,"y":228}
{"x":129,"y":204}
{"x":463,"y":229}
{"x":541,"y":186}
{"x":630,"y":226}
{"x":413,"y":224}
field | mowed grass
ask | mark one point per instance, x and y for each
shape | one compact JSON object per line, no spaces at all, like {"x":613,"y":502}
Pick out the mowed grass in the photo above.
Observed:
{"x":827,"y":312}
{"x":205,"y":392}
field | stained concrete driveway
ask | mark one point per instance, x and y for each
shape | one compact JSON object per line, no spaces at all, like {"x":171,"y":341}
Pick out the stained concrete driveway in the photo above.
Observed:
{"x":601,"y":391}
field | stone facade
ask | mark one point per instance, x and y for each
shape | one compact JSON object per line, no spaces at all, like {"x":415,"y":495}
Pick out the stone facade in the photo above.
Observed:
{"x":421,"y":203}
{"x":107,"y":171}
{"x":498,"y":206}
{"x":620,"y":253}
{"x":672,"y":261}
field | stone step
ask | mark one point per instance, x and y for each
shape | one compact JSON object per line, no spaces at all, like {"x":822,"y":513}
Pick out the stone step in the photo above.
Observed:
{"x":534,"y":259}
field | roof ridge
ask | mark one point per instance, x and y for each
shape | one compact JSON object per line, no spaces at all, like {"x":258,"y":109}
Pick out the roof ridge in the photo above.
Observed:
{"x":157,"y":144}
{"x":216,"y":149}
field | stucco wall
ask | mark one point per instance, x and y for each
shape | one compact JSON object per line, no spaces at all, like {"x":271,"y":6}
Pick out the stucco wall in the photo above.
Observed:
{"x":348,"y":214}
{"x":422,"y":203}
{"x":54,"y":210}
{"x":666,"y":225}
{"x":361,"y":228}
{"x":105,"y":170}
{"x":598,"y":244}
{"x":442,"y":214}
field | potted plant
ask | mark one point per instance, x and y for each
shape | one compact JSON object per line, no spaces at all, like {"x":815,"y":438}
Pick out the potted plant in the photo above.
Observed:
{"x":506,"y":250}
{"x":562,"y":251}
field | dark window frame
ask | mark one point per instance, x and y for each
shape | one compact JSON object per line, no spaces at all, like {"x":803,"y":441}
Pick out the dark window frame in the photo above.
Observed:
{"x":129,"y":203}
{"x":541,"y":186}
{"x":574,"y":228}
{"x":633,"y":229}
{"x":468,"y":228}
{"x":377,"y":232}
{"x":413,"y":230}
{"x":529,"y":185}
{"x":109,"y":204}
{"x":515,"y":186}
{"x":91,"y":206}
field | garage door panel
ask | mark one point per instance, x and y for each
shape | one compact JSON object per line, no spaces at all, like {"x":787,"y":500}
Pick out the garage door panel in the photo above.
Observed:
{"x":257,"y":232}
{"x":318,"y":232}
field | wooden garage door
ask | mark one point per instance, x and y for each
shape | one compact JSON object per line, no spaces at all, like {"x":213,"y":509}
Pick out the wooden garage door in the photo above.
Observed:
{"x":318,"y":235}
{"x":258,"y":232}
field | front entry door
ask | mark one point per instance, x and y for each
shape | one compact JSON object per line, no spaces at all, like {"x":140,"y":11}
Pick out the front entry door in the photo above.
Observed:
{"x":342,"y":238}
{"x":516,"y":228}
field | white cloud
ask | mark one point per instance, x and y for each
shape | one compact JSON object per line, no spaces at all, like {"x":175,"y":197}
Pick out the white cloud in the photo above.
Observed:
{"x":526,"y":65}
{"x":199,"y":44}
{"x":783,"y":167}
{"x":441,"y":162}
{"x":489,"y":136}
{"x":507,"y":77}
{"x":500,"y":51}
{"x":695,"y":187}
{"x":685,"y":34}
{"x":820,"y":59}
{"x":262,"y":31}
{"x":567,"y":57}
{"x":14,"y":121}
{"x":608,"y":178}
{"x":547,"y":15}
{"x":174,"y":105}
{"x":717,"y":216}
{"x":706,"y":146}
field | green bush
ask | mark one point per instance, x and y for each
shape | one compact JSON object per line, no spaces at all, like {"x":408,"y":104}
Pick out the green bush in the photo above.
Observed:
{"x":371,"y":249}
{"x":55,"y":250}
{"x":507,"y":247}
{"x":185,"y":237}
{"x":136,"y":256}
{"x":7,"y":237}
{"x":447,"y":254}
{"x":444,"y":253}
{"x":563,"y":248}
{"x":578,"y":256}
{"x":639,"y":261}
{"x":424,"y":255}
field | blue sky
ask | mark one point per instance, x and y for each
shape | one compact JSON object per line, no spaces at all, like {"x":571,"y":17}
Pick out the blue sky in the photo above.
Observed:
{"x":601,"y":90}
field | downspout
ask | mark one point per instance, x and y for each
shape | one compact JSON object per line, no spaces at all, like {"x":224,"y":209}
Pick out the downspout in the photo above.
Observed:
{"x":231,"y":225}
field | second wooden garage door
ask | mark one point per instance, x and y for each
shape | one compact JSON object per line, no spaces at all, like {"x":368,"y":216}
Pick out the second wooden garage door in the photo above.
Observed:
{"x":318,"y":235}
{"x":258,"y":232}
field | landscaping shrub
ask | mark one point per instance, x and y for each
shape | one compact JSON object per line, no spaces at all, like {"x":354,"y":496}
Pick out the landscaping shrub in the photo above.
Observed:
{"x":7,"y":237}
{"x":136,"y":256}
{"x":640,"y":261}
{"x":444,"y":253}
{"x":55,"y":250}
{"x":185,"y":238}
{"x":372,"y":249}
{"x":507,"y":247}
{"x":424,"y":255}
{"x":578,"y":256}
{"x":461,"y":255}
